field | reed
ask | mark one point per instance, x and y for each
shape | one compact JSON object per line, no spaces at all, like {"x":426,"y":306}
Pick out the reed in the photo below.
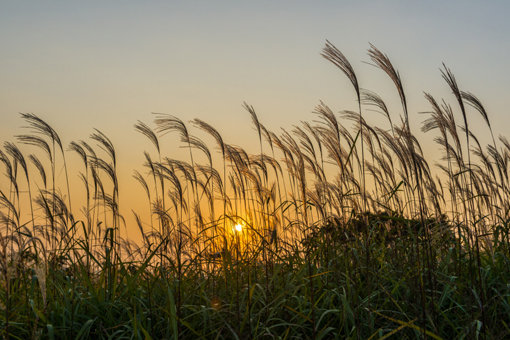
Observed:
{"x":334,"y":228}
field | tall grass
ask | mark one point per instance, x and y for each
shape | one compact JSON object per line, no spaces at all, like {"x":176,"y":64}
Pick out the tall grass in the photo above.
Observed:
{"x":334,"y":229}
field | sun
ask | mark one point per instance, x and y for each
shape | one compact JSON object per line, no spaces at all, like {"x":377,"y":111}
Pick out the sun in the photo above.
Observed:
{"x":238,"y":227}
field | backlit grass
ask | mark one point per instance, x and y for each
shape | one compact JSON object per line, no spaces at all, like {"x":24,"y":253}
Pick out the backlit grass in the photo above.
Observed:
{"x":335,"y":229}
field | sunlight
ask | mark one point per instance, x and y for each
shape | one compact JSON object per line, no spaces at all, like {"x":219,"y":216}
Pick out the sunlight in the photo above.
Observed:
{"x":238,"y":227}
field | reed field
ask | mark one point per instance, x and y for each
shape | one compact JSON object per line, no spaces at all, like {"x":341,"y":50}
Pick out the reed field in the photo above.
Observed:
{"x":337,"y":228}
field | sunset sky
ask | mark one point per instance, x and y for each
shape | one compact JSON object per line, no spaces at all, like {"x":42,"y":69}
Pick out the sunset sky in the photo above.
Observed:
{"x":93,"y":64}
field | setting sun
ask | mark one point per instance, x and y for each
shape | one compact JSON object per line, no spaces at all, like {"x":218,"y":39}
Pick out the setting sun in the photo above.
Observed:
{"x":238,"y":227}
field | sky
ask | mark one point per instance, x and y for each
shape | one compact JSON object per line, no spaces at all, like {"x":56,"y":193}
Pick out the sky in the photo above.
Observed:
{"x":96,"y":64}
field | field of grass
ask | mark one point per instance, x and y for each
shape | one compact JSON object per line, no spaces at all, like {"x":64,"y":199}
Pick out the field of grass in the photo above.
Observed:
{"x":325,"y":232}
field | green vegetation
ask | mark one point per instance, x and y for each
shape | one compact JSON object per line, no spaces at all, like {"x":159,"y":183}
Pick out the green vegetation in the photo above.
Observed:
{"x":326,"y":232}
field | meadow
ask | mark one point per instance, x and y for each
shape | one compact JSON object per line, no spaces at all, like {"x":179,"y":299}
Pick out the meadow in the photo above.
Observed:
{"x":337,"y":228}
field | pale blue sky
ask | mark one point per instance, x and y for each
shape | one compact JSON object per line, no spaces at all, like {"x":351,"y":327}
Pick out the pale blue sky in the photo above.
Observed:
{"x":86,"y":64}
{"x":97,"y":64}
